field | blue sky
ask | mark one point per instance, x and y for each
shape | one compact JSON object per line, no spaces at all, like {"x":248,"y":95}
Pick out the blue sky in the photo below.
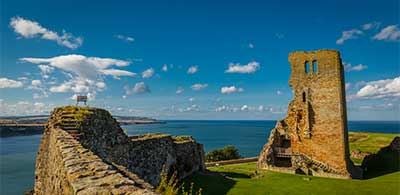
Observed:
{"x":133,"y":57}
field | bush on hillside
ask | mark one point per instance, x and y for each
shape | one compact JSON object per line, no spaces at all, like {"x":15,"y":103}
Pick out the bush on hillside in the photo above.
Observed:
{"x":226,"y":153}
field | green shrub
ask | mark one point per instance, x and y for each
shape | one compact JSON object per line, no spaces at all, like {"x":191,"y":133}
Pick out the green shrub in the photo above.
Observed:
{"x":226,"y":153}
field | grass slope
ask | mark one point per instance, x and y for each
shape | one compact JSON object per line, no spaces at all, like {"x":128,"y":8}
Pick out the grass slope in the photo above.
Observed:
{"x":241,"y":178}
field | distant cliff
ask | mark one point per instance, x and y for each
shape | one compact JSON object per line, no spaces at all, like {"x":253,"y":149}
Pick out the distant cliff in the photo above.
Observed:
{"x":31,"y":125}
{"x":84,"y":150}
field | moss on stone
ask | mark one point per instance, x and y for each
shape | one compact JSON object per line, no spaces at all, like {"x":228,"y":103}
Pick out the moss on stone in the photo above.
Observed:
{"x":182,"y":138}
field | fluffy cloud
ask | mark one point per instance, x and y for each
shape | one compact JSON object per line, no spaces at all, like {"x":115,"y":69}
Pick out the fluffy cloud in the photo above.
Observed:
{"x":230,"y":89}
{"x":348,"y":67}
{"x":85,"y":74}
{"x":116,"y":73}
{"x":244,"y":108}
{"x":191,"y":108}
{"x":388,"y":88}
{"x":193,"y":69}
{"x":125,"y":38}
{"x":9,"y":83}
{"x":82,"y":66}
{"x":198,"y":86}
{"x":251,"y":67}
{"x":164,"y":68}
{"x":389,"y":33}
{"x":139,"y":88}
{"x":148,"y":73}
{"x":24,"y":108}
{"x":371,"y":25}
{"x":31,"y":29}
{"x":45,"y":70}
{"x":349,"y":34}
{"x":179,"y":90}
{"x":36,"y":83}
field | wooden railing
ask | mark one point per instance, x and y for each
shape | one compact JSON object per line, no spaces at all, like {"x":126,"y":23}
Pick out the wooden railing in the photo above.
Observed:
{"x":282,"y":152}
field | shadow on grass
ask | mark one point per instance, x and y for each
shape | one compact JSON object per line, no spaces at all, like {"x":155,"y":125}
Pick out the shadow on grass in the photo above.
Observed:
{"x":235,"y":175}
{"x":213,"y":182}
{"x":384,"y":162}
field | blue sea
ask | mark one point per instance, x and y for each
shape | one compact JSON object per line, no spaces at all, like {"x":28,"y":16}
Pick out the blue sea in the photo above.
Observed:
{"x":17,"y":161}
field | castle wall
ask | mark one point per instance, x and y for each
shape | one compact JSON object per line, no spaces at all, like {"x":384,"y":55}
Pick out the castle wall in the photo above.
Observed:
{"x":63,"y":166}
{"x":324,"y":108}
{"x":316,"y":121}
{"x":85,"y":151}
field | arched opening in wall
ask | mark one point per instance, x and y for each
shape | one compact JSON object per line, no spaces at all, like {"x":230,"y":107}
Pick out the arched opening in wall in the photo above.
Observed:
{"x":315,"y":66}
{"x":307,"y":67}
{"x":304,"y":96}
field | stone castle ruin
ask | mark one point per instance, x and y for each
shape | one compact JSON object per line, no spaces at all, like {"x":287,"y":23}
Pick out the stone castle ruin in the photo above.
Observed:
{"x":313,"y":138}
{"x":84,"y":151}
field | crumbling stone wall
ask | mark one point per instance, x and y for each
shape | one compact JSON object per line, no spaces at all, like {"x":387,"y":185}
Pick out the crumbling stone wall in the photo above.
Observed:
{"x":84,"y":150}
{"x":316,"y":121}
{"x":64,"y":166}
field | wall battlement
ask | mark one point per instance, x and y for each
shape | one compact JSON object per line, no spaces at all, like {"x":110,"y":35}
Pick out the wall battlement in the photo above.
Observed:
{"x":84,"y":150}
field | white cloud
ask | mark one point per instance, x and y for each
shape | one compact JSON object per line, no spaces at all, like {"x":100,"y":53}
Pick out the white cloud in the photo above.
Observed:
{"x":371,"y":25}
{"x":198,"y":86}
{"x":82,"y":66}
{"x":31,"y":29}
{"x":101,"y":85}
{"x":116,"y":73}
{"x":349,"y":34}
{"x":39,"y":89}
{"x":36,"y":83}
{"x":148,"y":73}
{"x":45,"y":70}
{"x":191,"y":99}
{"x":230,"y":89}
{"x":24,"y":108}
{"x":193,"y":69}
{"x":388,"y":88}
{"x":179,"y":90}
{"x":191,"y":108}
{"x":164,"y":68}
{"x":244,"y":108}
{"x":348,"y":67}
{"x":389,"y":33}
{"x":9,"y":83}
{"x":141,"y":87}
{"x":75,"y":85}
{"x":125,"y":38}
{"x":85,"y":74}
{"x":251,"y":67}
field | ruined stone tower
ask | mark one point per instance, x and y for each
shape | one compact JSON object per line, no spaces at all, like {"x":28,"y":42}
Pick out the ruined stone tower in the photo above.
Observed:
{"x":312,"y":139}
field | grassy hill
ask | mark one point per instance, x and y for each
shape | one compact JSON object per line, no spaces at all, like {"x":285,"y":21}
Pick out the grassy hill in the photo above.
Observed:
{"x":243,"y":179}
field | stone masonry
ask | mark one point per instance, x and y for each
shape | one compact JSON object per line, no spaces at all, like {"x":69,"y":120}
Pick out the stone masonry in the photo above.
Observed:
{"x":85,"y":151}
{"x":313,"y":138}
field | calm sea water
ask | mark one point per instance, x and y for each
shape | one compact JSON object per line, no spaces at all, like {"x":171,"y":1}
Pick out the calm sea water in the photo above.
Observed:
{"x":17,"y":154}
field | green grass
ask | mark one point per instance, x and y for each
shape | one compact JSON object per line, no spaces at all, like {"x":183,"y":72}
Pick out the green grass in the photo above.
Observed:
{"x":243,"y":178}
{"x":368,"y":142}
